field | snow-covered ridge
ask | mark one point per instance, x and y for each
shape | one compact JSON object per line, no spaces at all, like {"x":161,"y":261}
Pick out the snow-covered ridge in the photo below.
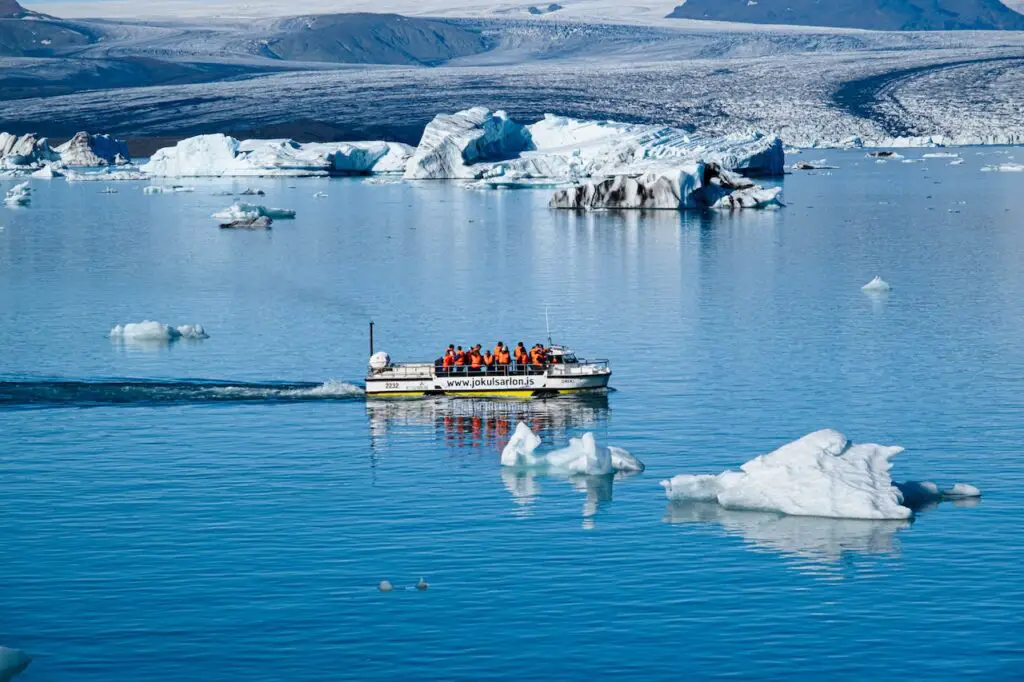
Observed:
{"x":821,"y":474}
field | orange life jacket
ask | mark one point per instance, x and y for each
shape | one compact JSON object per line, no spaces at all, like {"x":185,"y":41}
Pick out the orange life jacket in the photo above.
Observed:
{"x":497,"y":353}
{"x":520,"y":354}
{"x":503,"y":357}
{"x":460,"y":358}
{"x":488,"y":360}
{"x":474,"y":359}
{"x":448,"y":361}
{"x":535,"y":357}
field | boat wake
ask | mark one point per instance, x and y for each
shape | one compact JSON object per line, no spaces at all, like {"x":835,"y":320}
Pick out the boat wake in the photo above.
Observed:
{"x":63,"y":393}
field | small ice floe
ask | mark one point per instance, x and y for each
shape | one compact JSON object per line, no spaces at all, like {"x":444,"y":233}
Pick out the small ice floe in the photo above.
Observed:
{"x":940,"y":155}
{"x":820,"y":164}
{"x":19,"y":195}
{"x":171,"y":189}
{"x":883,"y":154}
{"x":242,"y":212}
{"x":12,"y":663}
{"x":108,"y":190}
{"x":47,"y":172}
{"x":249,"y":192}
{"x":422,"y":585}
{"x":821,"y":474}
{"x":151,"y":331}
{"x":956,"y":162}
{"x":876,"y":286}
{"x":791,"y":150}
{"x":1004,"y":168}
{"x":911,"y":161}
{"x":257,"y":223}
{"x":385,"y":586}
{"x":582,"y":456}
{"x":320,"y":195}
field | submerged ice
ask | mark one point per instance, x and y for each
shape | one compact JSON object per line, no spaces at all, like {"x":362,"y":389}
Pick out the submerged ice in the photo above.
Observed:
{"x":821,"y":474}
{"x":582,"y":456}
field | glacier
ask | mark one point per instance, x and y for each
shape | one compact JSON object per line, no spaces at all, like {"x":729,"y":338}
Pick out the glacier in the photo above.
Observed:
{"x":583,"y":456}
{"x":822,"y":474}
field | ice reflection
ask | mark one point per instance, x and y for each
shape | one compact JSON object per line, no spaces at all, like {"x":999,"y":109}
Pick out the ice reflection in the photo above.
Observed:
{"x":486,"y":422}
{"x":818,"y":544}
{"x":524,"y":486}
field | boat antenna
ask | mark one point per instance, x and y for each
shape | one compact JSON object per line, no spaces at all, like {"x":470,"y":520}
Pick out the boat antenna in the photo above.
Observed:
{"x":547,"y":325}
{"x":371,"y":338}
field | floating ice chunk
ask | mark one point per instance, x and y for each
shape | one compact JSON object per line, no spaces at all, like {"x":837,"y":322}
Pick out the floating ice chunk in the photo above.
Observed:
{"x":25,"y":152}
{"x":47,"y":172}
{"x":422,"y":584}
{"x":1004,"y":168}
{"x":940,"y":155}
{"x":19,"y":195}
{"x":956,"y":162}
{"x":93,"y":150}
{"x":172,"y":189}
{"x":149,"y":330}
{"x":451,"y":143}
{"x":363,"y":158}
{"x":917,"y":494}
{"x":251,"y":223}
{"x":876,"y":285}
{"x":320,"y":195}
{"x":223,"y":156}
{"x":582,"y":455}
{"x":884,"y":154}
{"x":108,"y":190}
{"x":960,"y":491}
{"x":821,"y":474}
{"x":12,"y":663}
{"x":242,"y":211}
{"x":385,"y":586}
{"x":105,"y":176}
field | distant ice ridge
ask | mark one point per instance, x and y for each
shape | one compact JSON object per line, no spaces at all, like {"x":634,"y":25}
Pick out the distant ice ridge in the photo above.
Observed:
{"x":248,"y":212}
{"x":149,"y":330}
{"x":821,"y":474}
{"x":1004,"y":168}
{"x":701,"y":185}
{"x":582,"y":456}
{"x":480,"y":144}
{"x":223,"y":156}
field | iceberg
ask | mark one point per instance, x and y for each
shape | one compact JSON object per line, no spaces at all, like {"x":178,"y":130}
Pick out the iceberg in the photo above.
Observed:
{"x":363,"y":158}
{"x":452,"y":143}
{"x":822,"y":474}
{"x":247,"y":212}
{"x":701,"y":185}
{"x":171,"y":189}
{"x":93,"y":150}
{"x":583,"y":456}
{"x":12,"y":663}
{"x":19,"y":195}
{"x":151,"y":331}
{"x":47,"y":172}
{"x":25,"y":152}
{"x":223,"y":156}
{"x":105,"y":176}
{"x":876,"y":285}
{"x":257,"y":223}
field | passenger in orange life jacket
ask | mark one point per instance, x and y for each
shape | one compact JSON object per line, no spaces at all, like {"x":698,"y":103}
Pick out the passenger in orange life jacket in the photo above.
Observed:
{"x":475,"y":358}
{"x":488,"y":361}
{"x":521,"y":356}
{"x":449,"y":359}
{"x":460,"y":359}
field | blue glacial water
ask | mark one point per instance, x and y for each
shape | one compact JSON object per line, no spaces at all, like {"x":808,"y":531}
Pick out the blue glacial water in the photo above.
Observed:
{"x":157,"y":527}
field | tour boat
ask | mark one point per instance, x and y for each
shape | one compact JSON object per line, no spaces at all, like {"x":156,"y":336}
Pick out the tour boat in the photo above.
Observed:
{"x":564,"y":373}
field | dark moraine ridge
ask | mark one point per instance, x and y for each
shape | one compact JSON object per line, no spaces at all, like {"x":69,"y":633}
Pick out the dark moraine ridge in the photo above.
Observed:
{"x":363,"y":38}
{"x":883,"y":15}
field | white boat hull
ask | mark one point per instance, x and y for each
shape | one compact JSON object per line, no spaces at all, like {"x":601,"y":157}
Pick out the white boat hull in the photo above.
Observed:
{"x":406,"y":383}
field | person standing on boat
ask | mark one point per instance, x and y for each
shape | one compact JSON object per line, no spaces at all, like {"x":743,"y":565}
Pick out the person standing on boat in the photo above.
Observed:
{"x":501,"y":356}
{"x":521,"y":357}
{"x":475,"y":358}
{"x":488,"y":360}
{"x":460,"y":359}
{"x":448,"y":362}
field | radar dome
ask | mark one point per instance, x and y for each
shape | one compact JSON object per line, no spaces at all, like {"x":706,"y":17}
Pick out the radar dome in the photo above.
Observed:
{"x":379,"y":361}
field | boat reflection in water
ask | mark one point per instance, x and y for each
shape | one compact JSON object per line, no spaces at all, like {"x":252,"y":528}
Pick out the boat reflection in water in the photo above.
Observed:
{"x":816,"y":545}
{"x":487,"y":422}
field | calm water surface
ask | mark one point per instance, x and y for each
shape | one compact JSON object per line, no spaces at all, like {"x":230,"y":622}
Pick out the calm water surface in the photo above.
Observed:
{"x":175,"y":531}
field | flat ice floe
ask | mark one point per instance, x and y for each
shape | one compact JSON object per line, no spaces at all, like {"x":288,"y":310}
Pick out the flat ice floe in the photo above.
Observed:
{"x":822,"y":474}
{"x":247,"y":212}
{"x":582,"y":455}
{"x":151,"y":331}
{"x":1004,"y":168}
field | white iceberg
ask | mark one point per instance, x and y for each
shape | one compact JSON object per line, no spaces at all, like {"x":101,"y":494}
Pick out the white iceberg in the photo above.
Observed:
{"x":940,"y":155}
{"x":25,"y":151}
{"x":151,"y":331}
{"x":93,"y":150}
{"x":105,"y":176}
{"x":47,"y":172}
{"x":876,"y":285}
{"x":223,"y":156}
{"x":244,"y":212}
{"x":582,"y":456}
{"x":452,"y":143}
{"x":821,"y":474}
{"x":19,"y":195}
{"x":169,"y":189}
{"x":363,"y":158}
{"x":12,"y":663}
{"x":702,"y":185}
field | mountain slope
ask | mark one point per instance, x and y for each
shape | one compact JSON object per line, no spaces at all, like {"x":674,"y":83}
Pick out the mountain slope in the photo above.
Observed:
{"x":888,"y":15}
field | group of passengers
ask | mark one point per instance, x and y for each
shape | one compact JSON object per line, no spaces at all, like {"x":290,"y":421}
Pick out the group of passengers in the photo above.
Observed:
{"x":501,"y":360}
